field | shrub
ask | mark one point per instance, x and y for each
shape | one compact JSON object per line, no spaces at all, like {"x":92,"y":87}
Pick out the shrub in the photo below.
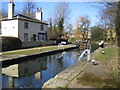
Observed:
{"x":10,"y":43}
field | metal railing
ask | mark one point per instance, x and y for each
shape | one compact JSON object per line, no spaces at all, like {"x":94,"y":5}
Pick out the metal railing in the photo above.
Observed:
{"x":82,"y":55}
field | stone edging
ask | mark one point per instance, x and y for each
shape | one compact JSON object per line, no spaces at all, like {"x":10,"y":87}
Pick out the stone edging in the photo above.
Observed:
{"x":18,"y":59}
{"x":62,"y":79}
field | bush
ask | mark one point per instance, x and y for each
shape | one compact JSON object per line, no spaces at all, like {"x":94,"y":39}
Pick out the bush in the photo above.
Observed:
{"x":72,"y":40}
{"x":10,"y":43}
{"x":97,"y":34}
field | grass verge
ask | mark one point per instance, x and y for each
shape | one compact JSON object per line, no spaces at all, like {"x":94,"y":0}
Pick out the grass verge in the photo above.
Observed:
{"x":108,"y":66}
{"x":35,"y":50}
{"x":109,"y":59}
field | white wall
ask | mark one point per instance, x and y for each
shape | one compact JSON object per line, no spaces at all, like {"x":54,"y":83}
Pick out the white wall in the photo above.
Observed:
{"x":9,"y":28}
{"x":11,"y":70}
{"x":32,"y":67}
{"x":23,"y":69}
{"x":33,"y":28}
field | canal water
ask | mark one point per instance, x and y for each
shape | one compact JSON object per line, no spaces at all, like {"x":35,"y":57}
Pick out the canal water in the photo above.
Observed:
{"x":34,"y":73}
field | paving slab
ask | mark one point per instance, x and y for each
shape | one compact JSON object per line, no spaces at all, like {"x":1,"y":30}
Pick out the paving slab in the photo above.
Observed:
{"x":70,"y":74}
{"x":56,"y":83}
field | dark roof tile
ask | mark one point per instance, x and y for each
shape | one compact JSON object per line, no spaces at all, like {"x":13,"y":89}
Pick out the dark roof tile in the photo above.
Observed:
{"x":23,"y":17}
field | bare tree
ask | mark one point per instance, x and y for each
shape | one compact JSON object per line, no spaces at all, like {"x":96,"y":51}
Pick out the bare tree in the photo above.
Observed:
{"x":61,"y":16}
{"x":83,"y":26}
{"x":109,"y":13}
{"x":69,"y":29}
{"x":118,"y":25}
{"x":51,"y":33}
{"x":29,"y":8}
{"x":3,"y":14}
{"x":0,"y":20}
{"x":108,"y":16}
{"x":58,"y":21}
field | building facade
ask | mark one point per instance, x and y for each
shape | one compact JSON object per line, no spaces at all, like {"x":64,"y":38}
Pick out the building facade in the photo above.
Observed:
{"x":110,"y":34}
{"x":23,"y":27}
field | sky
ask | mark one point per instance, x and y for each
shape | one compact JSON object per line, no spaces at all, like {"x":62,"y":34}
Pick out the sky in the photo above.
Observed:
{"x":77,"y":9}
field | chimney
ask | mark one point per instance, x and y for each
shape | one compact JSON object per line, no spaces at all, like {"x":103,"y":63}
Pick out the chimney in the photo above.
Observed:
{"x":39,"y":14}
{"x":11,"y":9}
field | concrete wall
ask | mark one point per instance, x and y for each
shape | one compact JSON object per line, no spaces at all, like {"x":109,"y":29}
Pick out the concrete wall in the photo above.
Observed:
{"x":38,"y":43}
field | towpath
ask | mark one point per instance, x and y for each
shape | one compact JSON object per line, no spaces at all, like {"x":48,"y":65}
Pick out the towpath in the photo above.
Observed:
{"x":15,"y":56}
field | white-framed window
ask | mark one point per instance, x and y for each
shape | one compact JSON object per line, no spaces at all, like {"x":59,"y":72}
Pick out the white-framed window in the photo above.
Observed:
{"x":41,"y":36}
{"x":26,"y":25}
{"x":25,"y":36}
{"x":42,"y":27}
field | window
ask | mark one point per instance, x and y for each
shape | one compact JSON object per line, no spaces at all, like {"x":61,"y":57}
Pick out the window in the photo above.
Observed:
{"x":25,"y":36}
{"x":34,"y":37}
{"x":42,"y":27}
{"x":26,"y":25}
{"x":41,"y":36}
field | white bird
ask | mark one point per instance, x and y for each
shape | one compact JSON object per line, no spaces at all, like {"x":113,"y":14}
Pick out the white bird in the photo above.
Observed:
{"x":39,"y":49}
{"x":93,"y":61}
{"x":103,"y":52}
{"x":0,"y":54}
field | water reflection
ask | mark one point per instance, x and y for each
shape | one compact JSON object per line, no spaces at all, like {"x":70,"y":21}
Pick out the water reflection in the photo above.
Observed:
{"x":18,"y":72}
{"x":33,"y":73}
{"x":26,"y":68}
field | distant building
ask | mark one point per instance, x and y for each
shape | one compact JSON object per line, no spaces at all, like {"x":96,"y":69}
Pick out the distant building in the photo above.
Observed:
{"x":79,"y":35}
{"x":23,"y":27}
{"x":89,"y":35}
{"x":110,"y":34}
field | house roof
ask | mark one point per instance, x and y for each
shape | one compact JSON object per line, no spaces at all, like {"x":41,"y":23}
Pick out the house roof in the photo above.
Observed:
{"x":25,"y":18}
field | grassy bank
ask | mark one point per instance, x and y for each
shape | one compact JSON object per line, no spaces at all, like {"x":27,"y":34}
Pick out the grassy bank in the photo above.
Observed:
{"x":105,"y":74}
{"x":35,"y":50}
{"x":109,"y":59}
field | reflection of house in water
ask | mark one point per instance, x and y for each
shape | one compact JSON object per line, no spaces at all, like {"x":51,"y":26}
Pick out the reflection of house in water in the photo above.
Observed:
{"x":26,"y":68}
{"x":33,"y":67}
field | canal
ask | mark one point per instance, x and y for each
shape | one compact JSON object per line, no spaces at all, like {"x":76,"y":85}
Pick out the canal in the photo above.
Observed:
{"x":34,"y":73}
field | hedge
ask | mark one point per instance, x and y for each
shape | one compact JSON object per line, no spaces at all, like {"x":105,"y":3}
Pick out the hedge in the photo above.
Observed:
{"x":11,"y":43}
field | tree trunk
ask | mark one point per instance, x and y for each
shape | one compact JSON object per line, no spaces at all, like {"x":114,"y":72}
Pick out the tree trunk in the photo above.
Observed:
{"x":118,"y":25}
{"x":118,"y":36}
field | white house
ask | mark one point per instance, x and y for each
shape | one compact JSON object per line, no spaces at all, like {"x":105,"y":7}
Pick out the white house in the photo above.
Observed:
{"x":23,"y":27}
